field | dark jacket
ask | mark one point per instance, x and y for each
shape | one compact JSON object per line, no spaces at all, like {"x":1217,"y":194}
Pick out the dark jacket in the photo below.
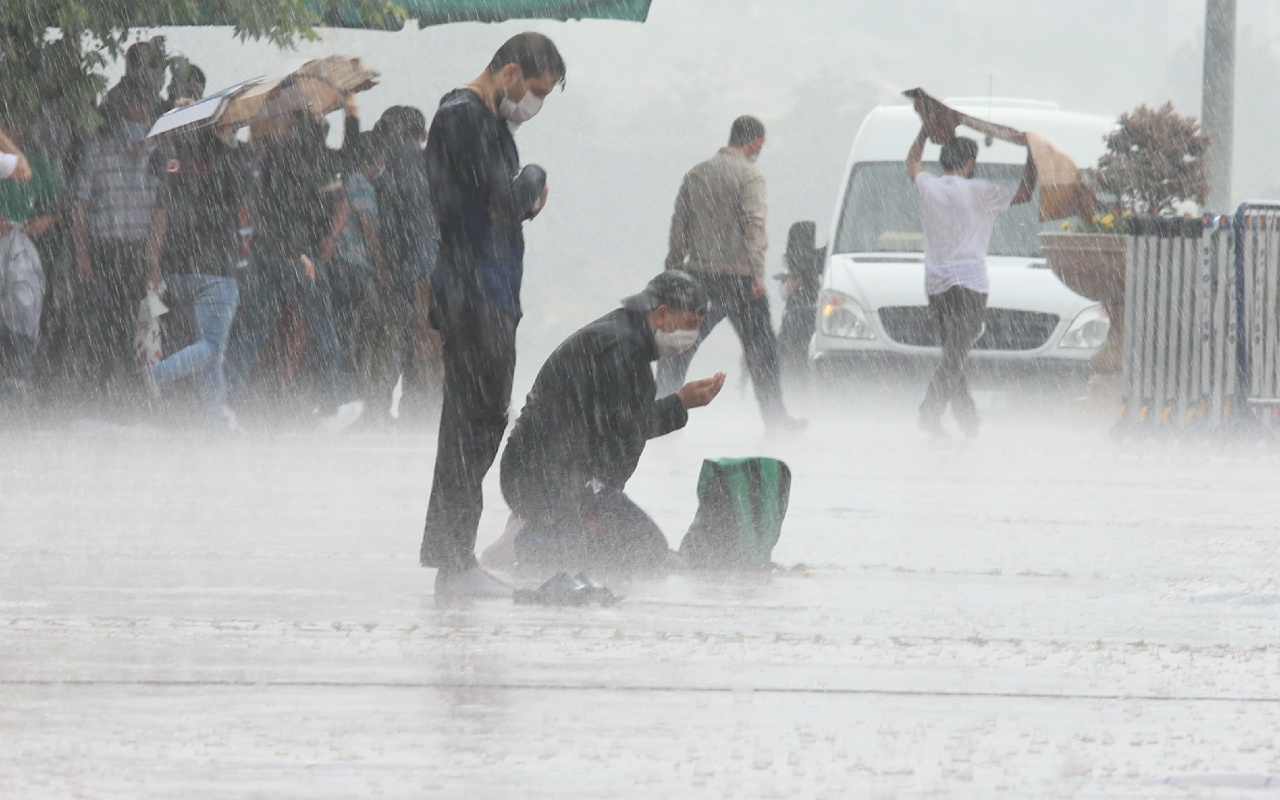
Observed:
{"x":473,"y":171}
{"x":593,"y":407}
{"x":296,"y":192}
{"x":205,"y":189}
{"x":409,"y":237}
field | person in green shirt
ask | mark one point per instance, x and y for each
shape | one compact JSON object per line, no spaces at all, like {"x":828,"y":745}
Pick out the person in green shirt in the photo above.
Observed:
{"x":31,"y":205}
{"x":27,"y":211}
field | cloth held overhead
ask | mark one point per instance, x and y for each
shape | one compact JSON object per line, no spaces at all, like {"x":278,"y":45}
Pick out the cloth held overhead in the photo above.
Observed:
{"x":1063,"y":192}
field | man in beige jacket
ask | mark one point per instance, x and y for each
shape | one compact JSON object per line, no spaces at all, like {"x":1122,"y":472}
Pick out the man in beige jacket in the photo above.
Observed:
{"x":718,"y":234}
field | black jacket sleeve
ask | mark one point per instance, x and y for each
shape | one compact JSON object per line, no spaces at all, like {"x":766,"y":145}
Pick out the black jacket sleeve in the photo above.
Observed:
{"x":629,"y":415}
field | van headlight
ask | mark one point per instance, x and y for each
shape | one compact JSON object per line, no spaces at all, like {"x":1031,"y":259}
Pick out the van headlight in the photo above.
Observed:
{"x":1089,"y":330}
{"x":842,"y":317}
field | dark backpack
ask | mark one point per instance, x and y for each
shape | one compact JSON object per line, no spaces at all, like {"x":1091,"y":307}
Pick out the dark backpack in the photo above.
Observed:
{"x":741,"y":505}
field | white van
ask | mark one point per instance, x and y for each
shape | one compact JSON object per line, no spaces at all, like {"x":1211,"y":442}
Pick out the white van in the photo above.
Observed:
{"x":873,"y":311}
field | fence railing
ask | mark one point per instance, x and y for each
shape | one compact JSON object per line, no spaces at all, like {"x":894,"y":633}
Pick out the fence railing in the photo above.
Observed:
{"x":1202,"y":322}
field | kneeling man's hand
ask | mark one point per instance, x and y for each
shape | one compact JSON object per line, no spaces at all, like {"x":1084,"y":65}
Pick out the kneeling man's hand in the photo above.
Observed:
{"x":696,"y":394}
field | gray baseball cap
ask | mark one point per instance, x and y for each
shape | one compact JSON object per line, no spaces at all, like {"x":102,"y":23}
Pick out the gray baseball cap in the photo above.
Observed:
{"x":676,"y":289}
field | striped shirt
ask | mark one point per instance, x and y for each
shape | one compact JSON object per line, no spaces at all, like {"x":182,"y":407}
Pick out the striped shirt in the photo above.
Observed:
{"x":117,"y":188}
{"x":351,"y":246}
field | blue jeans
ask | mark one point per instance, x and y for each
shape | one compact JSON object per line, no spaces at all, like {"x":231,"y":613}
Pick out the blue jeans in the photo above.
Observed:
{"x":267,"y":287}
{"x":214,"y":299}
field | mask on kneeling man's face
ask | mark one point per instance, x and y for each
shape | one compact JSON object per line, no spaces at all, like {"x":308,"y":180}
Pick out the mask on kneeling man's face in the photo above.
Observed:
{"x":673,"y":343}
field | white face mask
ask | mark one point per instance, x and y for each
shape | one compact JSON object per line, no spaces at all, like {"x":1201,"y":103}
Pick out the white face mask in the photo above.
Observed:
{"x":516,"y":114}
{"x":754,"y":157}
{"x":673,"y":343}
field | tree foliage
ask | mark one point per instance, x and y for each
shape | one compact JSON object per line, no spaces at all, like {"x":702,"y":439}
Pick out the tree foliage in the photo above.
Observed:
{"x":53,"y":52}
{"x":1155,"y":160}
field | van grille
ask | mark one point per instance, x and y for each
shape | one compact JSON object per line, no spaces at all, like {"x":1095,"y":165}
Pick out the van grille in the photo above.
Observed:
{"x":1005,"y":329}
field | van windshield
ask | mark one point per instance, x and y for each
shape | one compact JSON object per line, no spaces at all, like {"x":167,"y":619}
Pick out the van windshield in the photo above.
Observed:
{"x":882,"y":212}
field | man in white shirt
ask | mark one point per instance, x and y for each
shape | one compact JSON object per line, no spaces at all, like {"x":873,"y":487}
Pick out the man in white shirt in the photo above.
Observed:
{"x":958,"y":213}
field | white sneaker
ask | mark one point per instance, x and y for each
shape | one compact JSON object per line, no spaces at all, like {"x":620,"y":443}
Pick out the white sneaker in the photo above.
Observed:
{"x":473,"y":582}
{"x":345,"y":416}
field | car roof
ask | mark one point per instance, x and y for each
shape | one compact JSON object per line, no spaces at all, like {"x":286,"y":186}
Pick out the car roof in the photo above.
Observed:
{"x":888,"y":131}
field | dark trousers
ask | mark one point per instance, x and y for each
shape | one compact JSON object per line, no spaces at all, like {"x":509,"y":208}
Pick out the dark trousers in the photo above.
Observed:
{"x":960,"y":313}
{"x":264,"y":291}
{"x":572,"y":523}
{"x":479,"y":366}
{"x":731,"y":297}
{"x":348,"y":288}
{"x":109,"y":313}
{"x":17,"y":362}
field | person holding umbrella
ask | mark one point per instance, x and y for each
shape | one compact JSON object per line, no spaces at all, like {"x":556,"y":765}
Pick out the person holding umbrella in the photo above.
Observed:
{"x":481,"y":199}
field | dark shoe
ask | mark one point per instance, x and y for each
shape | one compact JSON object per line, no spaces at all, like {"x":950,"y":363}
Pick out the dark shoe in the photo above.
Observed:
{"x":567,"y":590}
{"x":472,"y":582}
{"x":933,"y":427}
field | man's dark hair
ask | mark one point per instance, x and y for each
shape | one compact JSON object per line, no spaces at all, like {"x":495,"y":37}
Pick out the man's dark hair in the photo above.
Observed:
{"x":957,"y":152}
{"x":745,"y":130}
{"x":187,"y":79}
{"x":676,"y":289}
{"x":194,"y":77}
{"x":401,"y":124}
{"x":536,"y":54}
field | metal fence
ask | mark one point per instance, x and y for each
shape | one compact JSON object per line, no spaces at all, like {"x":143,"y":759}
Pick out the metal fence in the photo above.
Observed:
{"x":1202,"y":322}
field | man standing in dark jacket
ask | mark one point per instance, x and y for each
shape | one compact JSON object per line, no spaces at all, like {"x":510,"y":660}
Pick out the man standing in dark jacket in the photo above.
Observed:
{"x":585,"y":424}
{"x":481,"y":199}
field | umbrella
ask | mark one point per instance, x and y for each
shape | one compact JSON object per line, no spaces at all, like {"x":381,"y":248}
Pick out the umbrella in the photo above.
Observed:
{"x":319,"y":86}
{"x":1062,"y":189}
{"x":200,"y":114}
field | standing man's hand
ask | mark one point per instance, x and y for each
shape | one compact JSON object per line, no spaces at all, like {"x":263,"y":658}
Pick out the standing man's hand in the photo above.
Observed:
{"x":350,"y":105}
{"x":541,"y":204}
{"x":757,"y":288}
{"x":696,"y":394}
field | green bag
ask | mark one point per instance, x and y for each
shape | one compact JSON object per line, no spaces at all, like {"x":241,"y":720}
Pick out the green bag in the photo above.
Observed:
{"x":741,"y":505}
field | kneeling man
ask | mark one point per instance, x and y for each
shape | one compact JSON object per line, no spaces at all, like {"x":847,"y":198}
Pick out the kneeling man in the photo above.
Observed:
{"x":584,"y":426}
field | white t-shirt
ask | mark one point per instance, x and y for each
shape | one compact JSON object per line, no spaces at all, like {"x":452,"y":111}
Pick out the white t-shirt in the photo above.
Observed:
{"x":958,"y":215}
{"x":8,"y":163}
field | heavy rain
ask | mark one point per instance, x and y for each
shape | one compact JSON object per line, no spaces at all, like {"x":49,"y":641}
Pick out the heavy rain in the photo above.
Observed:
{"x":639,"y":398}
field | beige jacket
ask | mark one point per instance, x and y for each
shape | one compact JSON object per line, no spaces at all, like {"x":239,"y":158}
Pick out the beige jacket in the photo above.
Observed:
{"x":718,"y":225}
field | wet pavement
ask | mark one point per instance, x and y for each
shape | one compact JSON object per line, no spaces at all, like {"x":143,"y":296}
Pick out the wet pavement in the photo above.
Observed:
{"x":1039,"y":613}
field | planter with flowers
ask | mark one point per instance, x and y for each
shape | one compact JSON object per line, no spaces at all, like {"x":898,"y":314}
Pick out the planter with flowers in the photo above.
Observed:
{"x":1155,"y":163}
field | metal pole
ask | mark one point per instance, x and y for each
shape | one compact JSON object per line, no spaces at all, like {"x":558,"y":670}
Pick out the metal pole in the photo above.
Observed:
{"x":1217,"y":96}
